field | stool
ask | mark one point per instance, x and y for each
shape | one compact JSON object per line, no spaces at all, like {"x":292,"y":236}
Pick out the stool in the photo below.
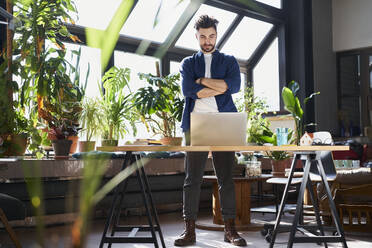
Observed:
{"x":312,"y":159}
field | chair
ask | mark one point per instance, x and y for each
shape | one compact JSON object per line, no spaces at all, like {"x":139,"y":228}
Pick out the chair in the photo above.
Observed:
{"x":11,"y":209}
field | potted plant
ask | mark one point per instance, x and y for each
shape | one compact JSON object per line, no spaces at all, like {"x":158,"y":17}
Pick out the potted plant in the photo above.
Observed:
{"x":60,"y":117}
{"x":116,"y":105}
{"x":90,"y":123}
{"x":160,"y":106}
{"x":292,"y":104}
{"x":255,"y":109}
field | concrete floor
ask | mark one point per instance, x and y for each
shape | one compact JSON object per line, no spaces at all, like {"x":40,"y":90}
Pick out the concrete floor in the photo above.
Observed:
{"x":172,"y":226}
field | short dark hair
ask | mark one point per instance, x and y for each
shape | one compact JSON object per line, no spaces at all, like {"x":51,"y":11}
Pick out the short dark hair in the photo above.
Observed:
{"x":205,"y":21}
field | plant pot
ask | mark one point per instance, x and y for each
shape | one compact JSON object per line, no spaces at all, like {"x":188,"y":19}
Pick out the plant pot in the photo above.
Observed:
{"x":109,"y":142}
{"x":278,"y":167}
{"x":16,"y":144}
{"x":61,"y":147}
{"x":86,"y":146}
{"x":74,"y":144}
{"x":171,"y":141}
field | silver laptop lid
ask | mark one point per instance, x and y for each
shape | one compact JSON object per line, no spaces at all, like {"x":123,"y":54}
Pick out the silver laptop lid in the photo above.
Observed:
{"x":218,"y":129}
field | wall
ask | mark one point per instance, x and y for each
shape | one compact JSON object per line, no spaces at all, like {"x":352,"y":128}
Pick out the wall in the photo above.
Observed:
{"x":324,"y":66}
{"x":352,"y":24}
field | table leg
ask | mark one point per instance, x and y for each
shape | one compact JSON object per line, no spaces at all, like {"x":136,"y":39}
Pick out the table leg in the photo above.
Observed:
{"x":118,"y":189}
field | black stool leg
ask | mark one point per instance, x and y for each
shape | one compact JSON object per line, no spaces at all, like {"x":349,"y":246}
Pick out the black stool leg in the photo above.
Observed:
{"x":146,"y":202}
{"x":314,"y":200}
{"x":118,"y":189}
{"x":300,"y":199}
{"x":332,"y":205}
{"x":284,"y":200}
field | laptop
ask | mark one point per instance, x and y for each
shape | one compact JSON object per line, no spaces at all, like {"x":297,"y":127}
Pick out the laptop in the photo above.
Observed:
{"x":218,"y":129}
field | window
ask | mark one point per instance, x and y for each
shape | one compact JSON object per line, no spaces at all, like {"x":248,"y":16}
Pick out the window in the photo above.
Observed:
{"x":95,"y":13}
{"x":140,"y":23}
{"x":246,"y":38}
{"x":137,"y":64}
{"x":266,"y":78}
{"x":175,"y":67}
{"x":90,"y":57}
{"x":274,"y":3}
{"x":225,"y":18}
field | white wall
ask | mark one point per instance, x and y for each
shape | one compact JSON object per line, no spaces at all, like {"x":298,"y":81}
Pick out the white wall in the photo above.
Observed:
{"x":352,"y":24}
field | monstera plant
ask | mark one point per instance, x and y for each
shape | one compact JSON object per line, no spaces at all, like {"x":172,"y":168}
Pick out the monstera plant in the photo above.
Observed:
{"x":160,"y":105}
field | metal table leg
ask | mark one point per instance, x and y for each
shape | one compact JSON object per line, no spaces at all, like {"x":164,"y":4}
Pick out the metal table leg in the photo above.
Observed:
{"x":114,"y":216}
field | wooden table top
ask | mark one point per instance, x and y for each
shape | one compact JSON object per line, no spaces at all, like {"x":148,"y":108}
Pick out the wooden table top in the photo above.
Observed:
{"x":159,"y":148}
{"x":262,"y":177}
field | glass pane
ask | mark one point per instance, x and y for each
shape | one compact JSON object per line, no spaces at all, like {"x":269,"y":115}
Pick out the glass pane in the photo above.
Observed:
{"x":274,"y":3}
{"x":246,"y":38}
{"x":95,"y":13}
{"x":238,"y":97}
{"x":266,"y":78}
{"x":136,"y":63}
{"x":349,"y":75}
{"x":174,"y":67}
{"x":140,"y":22}
{"x":89,"y":57}
{"x":188,"y":40}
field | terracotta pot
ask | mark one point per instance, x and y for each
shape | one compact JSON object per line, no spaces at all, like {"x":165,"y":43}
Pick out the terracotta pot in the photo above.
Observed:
{"x":74,"y":144}
{"x":17,"y":144}
{"x":109,"y":142}
{"x":278,"y":167}
{"x":171,"y":141}
{"x":86,"y":146}
{"x":61,"y":147}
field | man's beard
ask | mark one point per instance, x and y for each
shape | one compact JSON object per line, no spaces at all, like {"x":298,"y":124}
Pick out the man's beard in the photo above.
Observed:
{"x":207,"y":50}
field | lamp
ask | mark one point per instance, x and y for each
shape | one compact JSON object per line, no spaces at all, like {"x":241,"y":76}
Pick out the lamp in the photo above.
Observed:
{"x":13,"y":22}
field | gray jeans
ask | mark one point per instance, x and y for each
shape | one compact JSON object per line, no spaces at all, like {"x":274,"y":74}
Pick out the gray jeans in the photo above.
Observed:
{"x":194,"y":168}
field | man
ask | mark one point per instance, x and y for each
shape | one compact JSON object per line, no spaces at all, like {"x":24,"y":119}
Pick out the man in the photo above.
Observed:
{"x":208,"y":80}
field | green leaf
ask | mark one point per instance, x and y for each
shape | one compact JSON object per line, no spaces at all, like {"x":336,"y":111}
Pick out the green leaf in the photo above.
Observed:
{"x":294,"y":86}
{"x":310,"y":97}
{"x":288,"y":99}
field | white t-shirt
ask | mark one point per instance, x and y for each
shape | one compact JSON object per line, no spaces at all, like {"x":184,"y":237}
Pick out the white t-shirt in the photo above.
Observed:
{"x":207,"y":104}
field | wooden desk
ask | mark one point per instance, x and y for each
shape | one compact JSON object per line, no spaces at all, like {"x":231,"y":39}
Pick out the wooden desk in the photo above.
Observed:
{"x":158,"y":148}
{"x":148,"y":202}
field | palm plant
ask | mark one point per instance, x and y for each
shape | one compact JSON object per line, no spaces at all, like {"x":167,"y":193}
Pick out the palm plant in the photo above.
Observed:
{"x":90,"y":121}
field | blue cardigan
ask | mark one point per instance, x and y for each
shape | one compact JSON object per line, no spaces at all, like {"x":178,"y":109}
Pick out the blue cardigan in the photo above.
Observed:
{"x":223,"y":67}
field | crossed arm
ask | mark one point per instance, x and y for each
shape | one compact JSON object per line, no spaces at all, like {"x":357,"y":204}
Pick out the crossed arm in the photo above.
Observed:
{"x":213,"y":87}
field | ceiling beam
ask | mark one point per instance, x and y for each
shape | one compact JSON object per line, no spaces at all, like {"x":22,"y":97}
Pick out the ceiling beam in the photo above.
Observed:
{"x":251,"y":8}
{"x":130,"y":44}
{"x":229,"y":31}
{"x":259,"y":52}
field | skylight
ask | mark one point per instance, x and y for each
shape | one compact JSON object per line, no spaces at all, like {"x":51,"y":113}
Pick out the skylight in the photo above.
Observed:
{"x":225,"y":18}
{"x":246,"y":38}
{"x":140,"y":23}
